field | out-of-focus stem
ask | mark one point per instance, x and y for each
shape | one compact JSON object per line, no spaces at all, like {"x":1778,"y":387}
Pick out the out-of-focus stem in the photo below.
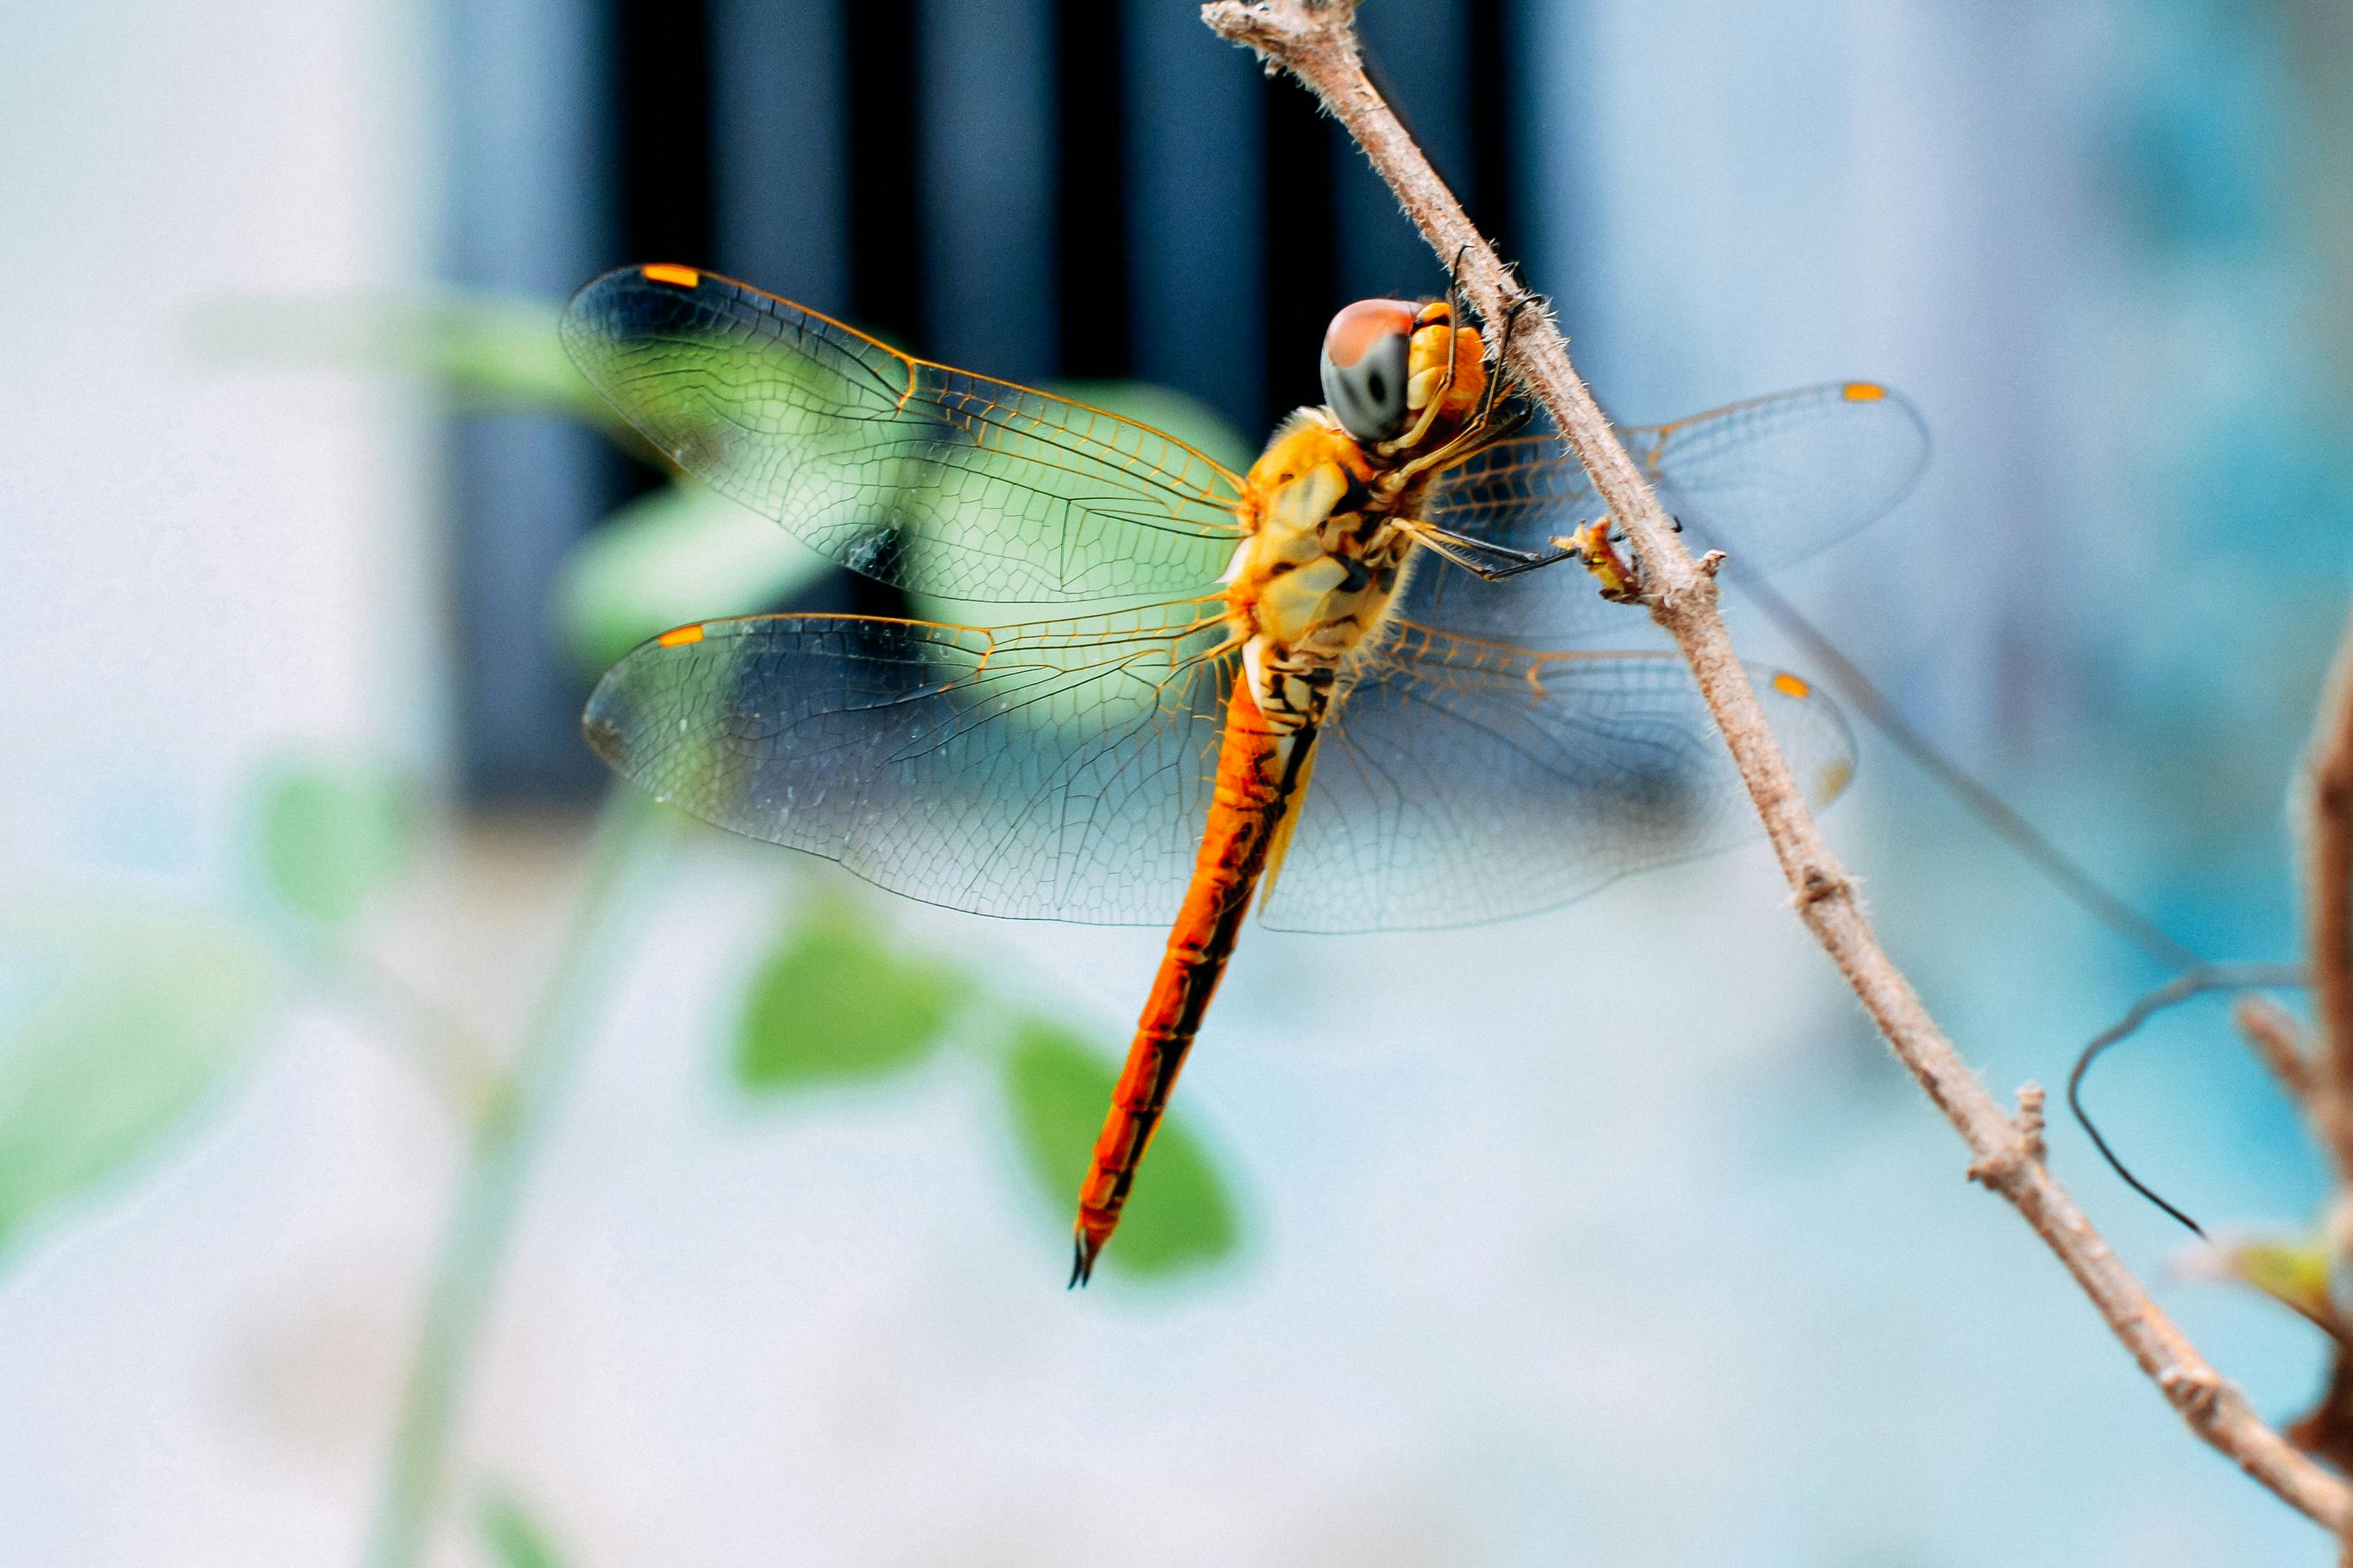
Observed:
{"x":2328,"y":914}
{"x":2272,"y":1035}
{"x":483,"y":1214}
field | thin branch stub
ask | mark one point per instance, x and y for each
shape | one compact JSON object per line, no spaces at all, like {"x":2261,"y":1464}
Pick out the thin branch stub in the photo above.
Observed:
{"x":2026,"y":1149}
{"x":2278,"y":1044}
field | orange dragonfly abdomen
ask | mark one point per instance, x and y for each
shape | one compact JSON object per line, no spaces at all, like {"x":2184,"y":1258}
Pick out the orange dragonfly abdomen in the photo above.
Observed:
{"x":1257,"y":773}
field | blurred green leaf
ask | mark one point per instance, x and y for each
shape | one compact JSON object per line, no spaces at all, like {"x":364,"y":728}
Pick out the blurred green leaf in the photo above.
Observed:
{"x":1087,"y":552}
{"x":1179,"y":1216}
{"x":486,"y":352}
{"x":2294,"y":1273}
{"x":834,"y":1005}
{"x":514,"y":1537}
{"x":1188,"y":420}
{"x":124,"y":1030}
{"x":680,"y":553}
{"x":331,"y":835}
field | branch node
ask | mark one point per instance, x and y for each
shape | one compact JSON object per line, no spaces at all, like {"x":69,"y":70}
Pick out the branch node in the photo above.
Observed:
{"x":1819,"y":885}
{"x":2196,"y":1391}
{"x":1713,"y":561}
{"x":2023,"y":1150}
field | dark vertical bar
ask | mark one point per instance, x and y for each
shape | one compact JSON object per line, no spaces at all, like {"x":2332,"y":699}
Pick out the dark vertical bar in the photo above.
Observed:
{"x":1302,"y":262}
{"x":1195,"y":211}
{"x":885,"y":102}
{"x":530,"y":212}
{"x":1548,"y":47}
{"x":1493,"y":194}
{"x":1415,"y":51}
{"x":660,"y":58}
{"x":779,"y":148}
{"x":1090,"y":196}
{"x":988,"y":183}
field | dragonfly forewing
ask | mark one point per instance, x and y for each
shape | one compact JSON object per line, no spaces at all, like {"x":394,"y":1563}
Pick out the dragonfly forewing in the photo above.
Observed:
{"x":947,"y":484}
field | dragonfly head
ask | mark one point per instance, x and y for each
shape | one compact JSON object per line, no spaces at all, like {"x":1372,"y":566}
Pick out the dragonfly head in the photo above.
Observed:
{"x":1365,"y":353}
{"x":1387,"y":362}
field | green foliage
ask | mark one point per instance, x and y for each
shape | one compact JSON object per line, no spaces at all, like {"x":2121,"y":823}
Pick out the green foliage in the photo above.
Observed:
{"x":834,"y":1005}
{"x":485,"y":353}
{"x":127,"y":1028}
{"x":1180,"y":1217}
{"x":2293,"y":1271}
{"x":330,"y":835}
{"x":1087,"y":555}
{"x":515,"y":1538}
{"x":681,"y":554}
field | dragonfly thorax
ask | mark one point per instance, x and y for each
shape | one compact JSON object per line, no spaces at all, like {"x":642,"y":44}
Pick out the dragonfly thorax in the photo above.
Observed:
{"x":1325,"y":552}
{"x":1320,"y":567}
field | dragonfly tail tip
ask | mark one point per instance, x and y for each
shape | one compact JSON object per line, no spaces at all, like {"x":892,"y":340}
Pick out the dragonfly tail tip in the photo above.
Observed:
{"x":1083,"y":1262}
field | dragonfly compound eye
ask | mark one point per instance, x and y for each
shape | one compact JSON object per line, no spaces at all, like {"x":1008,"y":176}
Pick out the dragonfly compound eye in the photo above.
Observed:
{"x":1365,"y":361}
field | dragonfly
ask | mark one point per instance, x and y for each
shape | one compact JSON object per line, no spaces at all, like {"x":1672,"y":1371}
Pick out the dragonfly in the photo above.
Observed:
{"x":1143,"y":689}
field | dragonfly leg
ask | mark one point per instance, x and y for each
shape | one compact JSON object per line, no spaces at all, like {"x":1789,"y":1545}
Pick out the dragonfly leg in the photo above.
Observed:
{"x":1484,"y":427}
{"x":1484,"y":559}
{"x":1474,"y":438}
{"x":1413,"y":438}
{"x":1497,"y":375}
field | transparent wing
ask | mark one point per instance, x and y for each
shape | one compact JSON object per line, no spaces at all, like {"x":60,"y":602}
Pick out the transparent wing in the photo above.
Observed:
{"x":1463,"y":781}
{"x":944,"y":483}
{"x":1060,"y":770}
{"x":1769,"y":481}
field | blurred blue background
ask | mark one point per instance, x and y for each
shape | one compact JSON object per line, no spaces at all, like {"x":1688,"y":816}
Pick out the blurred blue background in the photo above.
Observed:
{"x":1611,"y":1236}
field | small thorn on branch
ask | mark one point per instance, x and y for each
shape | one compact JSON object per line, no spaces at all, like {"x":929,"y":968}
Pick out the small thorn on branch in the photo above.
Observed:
{"x":2029,"y":1121}
{"x":1678,"y":598}
{"x":2026,"y":1149}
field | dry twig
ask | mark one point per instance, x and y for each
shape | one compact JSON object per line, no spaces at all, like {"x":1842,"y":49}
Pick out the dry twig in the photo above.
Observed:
{"x":1317,"y":44}
{"x":2278,"y":1044}
{"x":2328,"y":937}
{"x":2328,"y":917}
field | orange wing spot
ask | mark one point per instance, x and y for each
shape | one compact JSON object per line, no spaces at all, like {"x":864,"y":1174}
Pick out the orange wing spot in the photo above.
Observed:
{"x":1785,"y":683}
{"x":681,"y":636}
{"x":684,"y":276}
{"x":1865,"y":392}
